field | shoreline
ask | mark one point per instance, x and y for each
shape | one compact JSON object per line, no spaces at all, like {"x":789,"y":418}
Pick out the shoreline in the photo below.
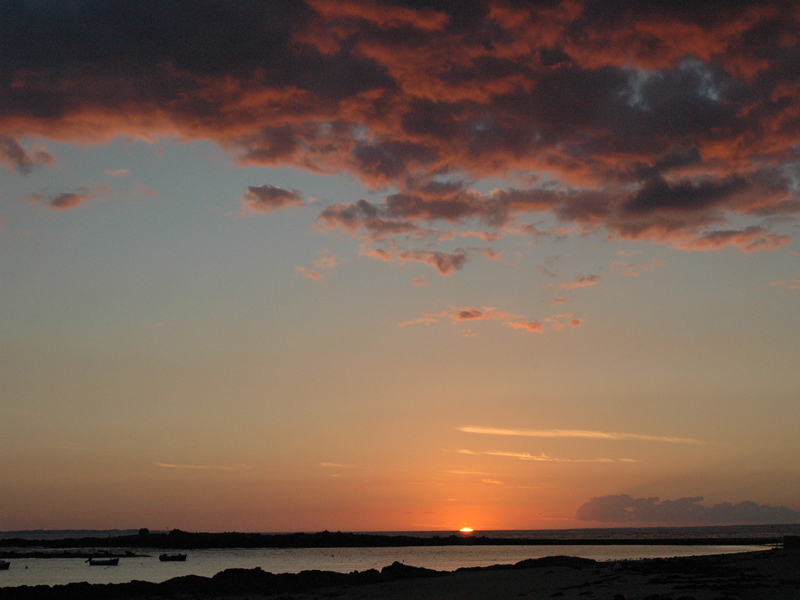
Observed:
{"x":764,"y":574}
{"x":182,"y":540}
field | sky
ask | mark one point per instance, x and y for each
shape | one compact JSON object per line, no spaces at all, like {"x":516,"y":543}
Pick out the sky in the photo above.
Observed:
{"x":391,"y":266}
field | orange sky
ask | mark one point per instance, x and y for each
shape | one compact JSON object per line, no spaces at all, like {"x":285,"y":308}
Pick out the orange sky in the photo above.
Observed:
{"x":395,"y":266}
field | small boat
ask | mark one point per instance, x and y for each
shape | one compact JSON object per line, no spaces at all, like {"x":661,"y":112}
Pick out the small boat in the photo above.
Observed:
{"x":4,"y":564}
{"x":172,"y":557}
{"x":103,"y":562}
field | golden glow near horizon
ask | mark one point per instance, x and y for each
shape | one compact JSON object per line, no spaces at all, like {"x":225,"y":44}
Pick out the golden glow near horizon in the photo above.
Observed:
{"x":466,"y":530}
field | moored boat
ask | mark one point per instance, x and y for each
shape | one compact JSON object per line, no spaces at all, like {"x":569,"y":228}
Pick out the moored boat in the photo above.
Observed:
{"x":4,"y":564}
{"x":172,"y":557}
{"x":103,"y":562}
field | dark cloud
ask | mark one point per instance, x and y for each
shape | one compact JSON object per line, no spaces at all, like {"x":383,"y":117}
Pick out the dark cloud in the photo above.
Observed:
{"x":16,"y":157}
{"x":656,"y":121}
{"x":266,"y":198}
{"x":684,"y":196}
{"x":69,"y":200}
{"x":625,"y":509}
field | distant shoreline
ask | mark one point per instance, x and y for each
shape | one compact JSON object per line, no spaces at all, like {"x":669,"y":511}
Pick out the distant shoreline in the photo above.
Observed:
{"x":182,"y":540}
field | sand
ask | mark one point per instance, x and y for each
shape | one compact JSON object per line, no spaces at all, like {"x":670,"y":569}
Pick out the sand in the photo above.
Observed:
{"x":771,"y":574}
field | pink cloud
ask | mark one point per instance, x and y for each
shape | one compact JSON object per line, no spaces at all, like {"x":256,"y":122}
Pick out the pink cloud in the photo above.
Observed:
{"x":533,"y":326}
{"x":420,"y":281}
{"x":70,"y":200}
{"x":144,"y":191}
{"x":325,"y":261}
{"x":446,"y":263}
{"x":750,"y":239}
{"x":492,"y":255}
{"x":581,"y":281}
{"x":634,"y":270}
{"x":793,"y":284}
{"x":117,"y":173}
{"x":488,"y":313}
{"x":425,"y":319}
{"x":309,"y":273}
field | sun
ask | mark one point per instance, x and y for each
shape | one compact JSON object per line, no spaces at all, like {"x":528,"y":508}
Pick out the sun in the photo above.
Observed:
{"x":466,"y":530}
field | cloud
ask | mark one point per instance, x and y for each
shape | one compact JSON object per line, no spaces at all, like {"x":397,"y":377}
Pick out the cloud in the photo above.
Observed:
{"x":309,"y":273}
{"x":15,"y":157}
{"x":792,"y":284}
{"x":70,"y":200}
{"x":446,"y":263}
{"x":750,"y":239}
{"x":142,"y":190}
{"x":266,"y":198}
{"x":545,"y":458}
{"x":420,"y":281}
{"x":469,"y":314}
{"x":326,"y":260}
{"x":659,"y":122}
{"x":625,"y":509}
{"x":117,"y":173}
{"x":425,"y":319}
{"x":633,"y":269}
{"x":576,"y":433}
{"x":581,"y":281}
{"x":202,"y":467}
{"x":533,"y":326}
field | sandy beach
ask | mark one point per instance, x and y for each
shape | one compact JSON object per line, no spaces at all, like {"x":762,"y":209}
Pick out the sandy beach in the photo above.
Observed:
{"x":754,"y":575}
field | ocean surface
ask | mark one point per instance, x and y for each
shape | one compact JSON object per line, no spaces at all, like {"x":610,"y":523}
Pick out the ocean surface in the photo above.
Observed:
{"x":57,"y":571}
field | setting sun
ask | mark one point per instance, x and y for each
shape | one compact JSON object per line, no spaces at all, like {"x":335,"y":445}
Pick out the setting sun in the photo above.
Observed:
{"x":465,"y":530}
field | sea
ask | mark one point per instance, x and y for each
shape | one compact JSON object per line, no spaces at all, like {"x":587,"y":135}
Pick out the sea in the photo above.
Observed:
{"x":59,"y":571}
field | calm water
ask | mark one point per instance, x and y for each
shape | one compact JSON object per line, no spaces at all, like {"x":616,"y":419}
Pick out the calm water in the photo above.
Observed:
{"x":56,"y":571}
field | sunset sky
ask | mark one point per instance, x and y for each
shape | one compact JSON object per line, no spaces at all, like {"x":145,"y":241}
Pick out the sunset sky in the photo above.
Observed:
{"x":349,"y":265}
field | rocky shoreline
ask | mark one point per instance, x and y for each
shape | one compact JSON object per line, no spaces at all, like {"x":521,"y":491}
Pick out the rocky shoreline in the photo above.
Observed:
{"x":769,"y":574}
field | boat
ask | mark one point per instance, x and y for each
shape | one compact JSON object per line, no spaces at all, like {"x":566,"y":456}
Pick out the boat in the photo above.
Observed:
{"x":103,"y":562}
{"x":4,"y":564}
{"x":172,"y":557}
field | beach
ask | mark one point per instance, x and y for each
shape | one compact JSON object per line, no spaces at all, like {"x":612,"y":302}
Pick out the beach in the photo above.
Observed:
{"x":752,"y":575}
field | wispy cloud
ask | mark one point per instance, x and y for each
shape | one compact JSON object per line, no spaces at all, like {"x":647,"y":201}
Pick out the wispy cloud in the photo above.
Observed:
{"x":70,"y":200}
{"x":420,"y":281}
{"x":577,"y":433}
{"x":470,"y":314}
{"x":326,"y":260}
{"x":580,"y":282}
{"x":634,"y":269}
{"x":309,"y":273}
{"x":203,"y":467}
{"x":793,"y":284}
{"x":545,"y":458}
